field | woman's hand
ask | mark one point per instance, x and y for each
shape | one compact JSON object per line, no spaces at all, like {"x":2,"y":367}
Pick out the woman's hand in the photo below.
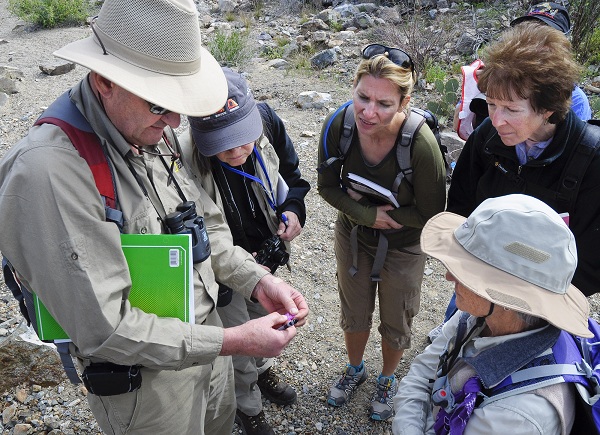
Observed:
{"x":383,"y":221}
{"x":290,"y":229}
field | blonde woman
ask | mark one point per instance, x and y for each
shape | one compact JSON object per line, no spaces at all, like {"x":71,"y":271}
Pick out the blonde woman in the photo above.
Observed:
{"x":365,"y":267}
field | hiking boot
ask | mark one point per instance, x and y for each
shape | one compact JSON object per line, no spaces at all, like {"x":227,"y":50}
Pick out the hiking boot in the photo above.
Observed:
{"x":382,"y":402}
{"x":275,"y":390}
{"x":346,"y":385}
{"x":253,"y":425}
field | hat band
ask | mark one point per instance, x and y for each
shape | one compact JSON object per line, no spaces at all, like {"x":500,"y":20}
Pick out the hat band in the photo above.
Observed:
{"x":134,"y":57}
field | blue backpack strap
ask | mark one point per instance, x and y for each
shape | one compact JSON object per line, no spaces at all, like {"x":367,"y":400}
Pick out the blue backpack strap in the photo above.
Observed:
{"x":64,"y":114}
{"x":345,"y":138}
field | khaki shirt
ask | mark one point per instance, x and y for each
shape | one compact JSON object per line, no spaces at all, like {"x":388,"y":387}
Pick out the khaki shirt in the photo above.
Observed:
{"x":55,"y":235}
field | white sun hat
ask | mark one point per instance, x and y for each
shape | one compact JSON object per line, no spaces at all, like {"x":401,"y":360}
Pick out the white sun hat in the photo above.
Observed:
{"x":152,"y":48}
{"x":516,"y":252}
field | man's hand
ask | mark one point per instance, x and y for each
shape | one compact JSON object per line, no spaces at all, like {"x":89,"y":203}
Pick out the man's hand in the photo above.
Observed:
{"x":258,"y":337}
{"x":290,"y":227}
{"x":274,"y":294}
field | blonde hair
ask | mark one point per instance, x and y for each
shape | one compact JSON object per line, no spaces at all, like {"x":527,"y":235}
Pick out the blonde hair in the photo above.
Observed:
{"x":381,"y":67}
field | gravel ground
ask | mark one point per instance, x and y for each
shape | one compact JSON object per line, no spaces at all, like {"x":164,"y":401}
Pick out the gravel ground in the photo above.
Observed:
{"x":317,"y":355}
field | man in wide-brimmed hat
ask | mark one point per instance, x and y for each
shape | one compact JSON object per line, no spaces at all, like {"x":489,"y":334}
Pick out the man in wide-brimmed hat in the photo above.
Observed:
{"x":511,"y":262}
{"x":61,"y":228}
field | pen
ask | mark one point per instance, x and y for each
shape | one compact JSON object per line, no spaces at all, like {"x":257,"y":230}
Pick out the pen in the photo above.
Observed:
{"x":284,"y":219}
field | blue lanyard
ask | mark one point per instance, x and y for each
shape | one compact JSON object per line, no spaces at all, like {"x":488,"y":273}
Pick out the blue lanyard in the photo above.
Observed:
{"x":269,"y":193}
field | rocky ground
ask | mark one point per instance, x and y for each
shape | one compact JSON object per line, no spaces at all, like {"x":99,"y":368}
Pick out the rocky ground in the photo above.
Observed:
{"x":317,"y":355}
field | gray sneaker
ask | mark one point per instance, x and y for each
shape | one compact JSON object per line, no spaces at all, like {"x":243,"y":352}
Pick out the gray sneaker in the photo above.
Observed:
{"x":346,"y":385}
{"x":382,"y":403}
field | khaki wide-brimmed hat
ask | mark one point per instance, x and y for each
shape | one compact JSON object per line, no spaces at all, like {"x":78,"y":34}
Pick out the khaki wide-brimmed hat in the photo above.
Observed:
{"x":516,"y":252}
{"x":152,"y":48}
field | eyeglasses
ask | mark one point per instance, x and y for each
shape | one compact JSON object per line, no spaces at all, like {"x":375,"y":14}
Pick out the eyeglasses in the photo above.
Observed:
{"x":396,"y":55}
{"x":157,"y":110}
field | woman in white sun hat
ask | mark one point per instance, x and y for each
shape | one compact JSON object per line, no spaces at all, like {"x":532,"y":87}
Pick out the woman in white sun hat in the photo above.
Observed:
{"x":511,"y":262}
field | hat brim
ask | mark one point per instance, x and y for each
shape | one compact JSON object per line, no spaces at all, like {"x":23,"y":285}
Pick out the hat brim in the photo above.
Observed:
{"x":197,"y":94}
{"x":546,"y":20}
{"x":242,"y":132}
{"x":568,"y":311}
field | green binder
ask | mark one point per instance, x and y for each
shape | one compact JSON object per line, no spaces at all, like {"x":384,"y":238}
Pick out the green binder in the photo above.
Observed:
{"x":160,"y":266}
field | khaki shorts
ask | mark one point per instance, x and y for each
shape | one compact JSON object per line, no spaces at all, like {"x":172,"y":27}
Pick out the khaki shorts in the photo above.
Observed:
{"x":399,"y":290}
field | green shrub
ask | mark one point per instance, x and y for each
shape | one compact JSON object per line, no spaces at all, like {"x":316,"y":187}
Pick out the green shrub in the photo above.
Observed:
{"x":592,"y":47}
{"x":300,"y":61}
{"x":230,"y":48}
{"x":443,"y":107}
{"x":50,"y":13}
{"x":434,"y":72}
{"x":585,"y":16}
{"x":275,"y":52}
{"x":336,"y":26}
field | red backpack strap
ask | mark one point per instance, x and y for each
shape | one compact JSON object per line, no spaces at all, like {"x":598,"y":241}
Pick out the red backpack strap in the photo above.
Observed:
{"x":64,"y":114}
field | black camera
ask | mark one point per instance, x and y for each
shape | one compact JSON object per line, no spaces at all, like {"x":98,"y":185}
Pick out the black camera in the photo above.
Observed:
{"x":272,"y":253}
{"x":186,"y":221}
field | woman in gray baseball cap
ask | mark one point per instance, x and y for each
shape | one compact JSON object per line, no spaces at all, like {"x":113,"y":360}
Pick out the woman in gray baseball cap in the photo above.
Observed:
{"x":511,"y":263}
{"x":248,"y":165}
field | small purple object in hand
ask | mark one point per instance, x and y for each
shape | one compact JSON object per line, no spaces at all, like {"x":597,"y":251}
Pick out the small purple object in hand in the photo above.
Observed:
{"x":290,"y":322}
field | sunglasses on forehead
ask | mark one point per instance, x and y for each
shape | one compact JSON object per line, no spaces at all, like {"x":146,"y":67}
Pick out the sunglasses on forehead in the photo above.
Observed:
{"x":396,"y":55}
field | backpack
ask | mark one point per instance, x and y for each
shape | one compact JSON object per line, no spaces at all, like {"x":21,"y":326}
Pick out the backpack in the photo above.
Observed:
{"x":467,"y":117}
{"x":575,"y":359}
{"x":570,"y":181}
{"x":64,"y":114}
{"x":546,"y":357}
{"x":412,"y":124}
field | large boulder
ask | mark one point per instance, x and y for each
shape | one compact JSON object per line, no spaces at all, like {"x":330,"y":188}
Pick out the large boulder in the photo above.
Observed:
{"x":23,"y":358}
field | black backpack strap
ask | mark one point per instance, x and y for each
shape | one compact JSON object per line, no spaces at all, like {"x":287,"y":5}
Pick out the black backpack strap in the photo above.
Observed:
{"x":267,"y":121}
{"x":67,"y":361}
{"x":347,"y":130}
{"x":25,"y":299}
{"x":570,"y":180}
{"x":589,"y":142}
{"x":15,"y":288}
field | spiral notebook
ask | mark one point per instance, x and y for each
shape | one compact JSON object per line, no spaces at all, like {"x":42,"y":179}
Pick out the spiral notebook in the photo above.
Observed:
{"x":160,"y":266}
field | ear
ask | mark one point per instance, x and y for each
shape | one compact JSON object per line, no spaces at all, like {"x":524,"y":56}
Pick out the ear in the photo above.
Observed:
{"x":548,"y":114}
{"x":404,"y":103}
{"x":102,"y":85}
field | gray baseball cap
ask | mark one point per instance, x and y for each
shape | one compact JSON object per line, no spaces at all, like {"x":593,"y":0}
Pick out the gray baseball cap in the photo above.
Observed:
{"x":237,"y":123}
